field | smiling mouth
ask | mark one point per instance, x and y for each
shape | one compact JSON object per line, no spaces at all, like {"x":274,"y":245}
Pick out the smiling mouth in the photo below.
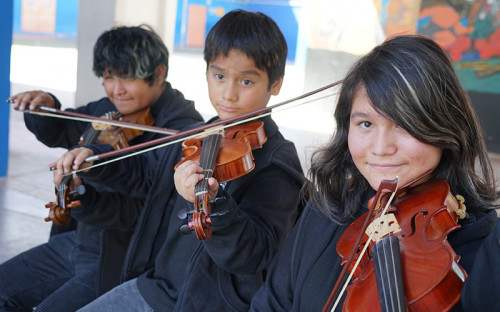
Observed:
{"x":384,"y":167}
{"x":227,"y":108}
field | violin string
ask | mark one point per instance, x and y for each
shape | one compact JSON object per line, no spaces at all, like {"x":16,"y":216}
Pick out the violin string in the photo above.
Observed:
{"x":363,"y":251}
{"x":394,"y":274}
{"x":209,"y":151}
{"x":386,"y":266}
{"x":112,"y":123}
{"x":95,"y":157}
{"x":228,"y":121}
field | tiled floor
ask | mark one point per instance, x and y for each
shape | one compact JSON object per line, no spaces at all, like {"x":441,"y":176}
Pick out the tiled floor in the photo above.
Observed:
{"x":25,"y":191}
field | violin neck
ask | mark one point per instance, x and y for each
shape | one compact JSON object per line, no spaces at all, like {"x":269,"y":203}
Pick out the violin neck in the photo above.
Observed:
{"x":388,"y":272}
{"x":65,"y":181}
{"x":208,"y":156}
{"x":91,"y":136}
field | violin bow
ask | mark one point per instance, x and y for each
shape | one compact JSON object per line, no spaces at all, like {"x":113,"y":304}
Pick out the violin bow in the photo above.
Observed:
{"x":57,"y":113}
{"x":181,"y":136}
{"x":391,"y":186}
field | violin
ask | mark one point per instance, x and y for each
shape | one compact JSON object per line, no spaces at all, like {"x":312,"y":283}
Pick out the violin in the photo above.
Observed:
{"x":409,"y":266}
{"x":60,"y":210}
{"x":225,"y":155}
{"x":171,"y":139}
{"x":98,"y":133}
{"x":118,"y":137}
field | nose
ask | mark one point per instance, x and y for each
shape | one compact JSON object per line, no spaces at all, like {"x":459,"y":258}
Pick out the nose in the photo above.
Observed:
{"x":384,"y":142}
{"x":230,"y":93}
{"x":118,"y":86}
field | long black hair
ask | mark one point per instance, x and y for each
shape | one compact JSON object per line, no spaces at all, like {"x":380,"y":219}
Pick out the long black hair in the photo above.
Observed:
{"x":411,"y":81}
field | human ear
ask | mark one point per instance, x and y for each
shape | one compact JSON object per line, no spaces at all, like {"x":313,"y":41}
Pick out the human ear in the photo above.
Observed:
{"x":160,"y":73}
{"x":276,"y":86}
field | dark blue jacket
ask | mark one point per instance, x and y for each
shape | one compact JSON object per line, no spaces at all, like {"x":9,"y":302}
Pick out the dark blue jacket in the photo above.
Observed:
{"x":305,"y":270}
{"x":223,"y":272}
{"x":171,"y":111}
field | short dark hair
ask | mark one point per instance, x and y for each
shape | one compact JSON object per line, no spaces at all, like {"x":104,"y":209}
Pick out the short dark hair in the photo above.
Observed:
{"x":130,"y":52}
{"x":256,"y":34}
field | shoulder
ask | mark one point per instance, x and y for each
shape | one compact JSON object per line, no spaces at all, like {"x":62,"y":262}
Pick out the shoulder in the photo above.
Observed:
{"x":173,"y":110}
{"x":278,"y":151}
{"x":312,"y":240}
{"x":314,"y":223}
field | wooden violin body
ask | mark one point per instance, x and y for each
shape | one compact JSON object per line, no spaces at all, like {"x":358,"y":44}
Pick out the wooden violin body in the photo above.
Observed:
{"x":234,"y":155}
{"x":421,"y":218}
{"x":60,"y":210}
{"x":117,"y":137}
{"x":225,"y":156}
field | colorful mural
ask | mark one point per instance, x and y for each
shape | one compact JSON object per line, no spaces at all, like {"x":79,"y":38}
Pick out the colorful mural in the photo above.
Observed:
{"x":398,"y":16}
{"x":470,"y":32}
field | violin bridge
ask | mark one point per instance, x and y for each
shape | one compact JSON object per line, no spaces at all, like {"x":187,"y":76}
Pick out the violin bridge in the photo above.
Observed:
{"x":382,"y":226}
{"x":214,"y":130}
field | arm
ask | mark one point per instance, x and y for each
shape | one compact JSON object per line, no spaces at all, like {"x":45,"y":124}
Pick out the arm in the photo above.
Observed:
{"x":101,"y":206}
{"x":277,"y":292}
{"x":107,"y":209}
{"x":51,"y":131}
{"x":130,"y":176}
{"x":261,"y":211}
{"x":257,"y":225}
{"x":480,"y":291}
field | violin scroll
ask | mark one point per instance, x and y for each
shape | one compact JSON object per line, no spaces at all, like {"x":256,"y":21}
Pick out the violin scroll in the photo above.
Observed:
{"x":118,"y":138}
{"x":225,"y":156}
{"x":60,"y":211}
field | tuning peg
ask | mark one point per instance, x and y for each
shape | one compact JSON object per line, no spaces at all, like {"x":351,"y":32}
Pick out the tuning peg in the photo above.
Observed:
{"x":218,"y":214}
{"x":217,"y":200}
{"x":185,"y":229}
{"x":80,"y":190}
{"x":182,"y":214}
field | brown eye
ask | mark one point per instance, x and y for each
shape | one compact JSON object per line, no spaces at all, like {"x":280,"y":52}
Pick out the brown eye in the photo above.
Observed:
{"x":246,"y":82}
{"x":365,"y":124}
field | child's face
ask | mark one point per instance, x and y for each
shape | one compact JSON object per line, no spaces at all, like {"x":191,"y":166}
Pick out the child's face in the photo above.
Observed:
{"x":382,"y":150}
{"x":236,"y":86}
{"x":131,"y":95}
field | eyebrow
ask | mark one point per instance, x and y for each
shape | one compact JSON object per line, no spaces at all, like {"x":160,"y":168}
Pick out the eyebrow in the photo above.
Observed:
{"x":244,"y":72}
{"x":359,"y":114}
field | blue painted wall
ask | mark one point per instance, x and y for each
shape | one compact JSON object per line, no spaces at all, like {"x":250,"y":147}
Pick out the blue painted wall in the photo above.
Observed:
{"x":281,"y":11}
{"x":66,"y":25}
{"x":6,"y":39}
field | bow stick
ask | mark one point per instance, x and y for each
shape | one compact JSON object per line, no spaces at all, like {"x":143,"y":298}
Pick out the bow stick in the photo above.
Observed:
{"x":54,"y":112}
{"x":181,"y":136}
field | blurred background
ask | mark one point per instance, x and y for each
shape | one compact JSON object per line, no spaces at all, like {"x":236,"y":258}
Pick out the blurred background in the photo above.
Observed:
{"x":47,"y":45}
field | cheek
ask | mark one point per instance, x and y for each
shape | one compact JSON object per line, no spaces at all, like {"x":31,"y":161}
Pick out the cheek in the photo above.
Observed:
{"x":212,"y":90}
{"x":423,"y":155}
{"x":355,"y":145}
{"x":108,"y":89}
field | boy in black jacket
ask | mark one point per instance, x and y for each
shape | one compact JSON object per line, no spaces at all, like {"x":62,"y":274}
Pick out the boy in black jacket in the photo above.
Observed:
{"x":245,"y":54}
{"x":74,"y":267}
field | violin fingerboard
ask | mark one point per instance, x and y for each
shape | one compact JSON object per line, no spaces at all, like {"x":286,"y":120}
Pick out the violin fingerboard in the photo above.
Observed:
{"x":208,"y":155}
{"x":388,"y":272}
